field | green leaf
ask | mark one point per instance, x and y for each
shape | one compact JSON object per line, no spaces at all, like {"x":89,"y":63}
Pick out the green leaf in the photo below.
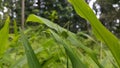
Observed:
{"x":91,"y":53}
{"x":75,"y":59}
{"x":22,"y":61}
{"x":34,"y":18}
{"x":69,"y":35}
{"x":4,"y":32}
{"x":33,"y":62}
{"x":100,"y":31}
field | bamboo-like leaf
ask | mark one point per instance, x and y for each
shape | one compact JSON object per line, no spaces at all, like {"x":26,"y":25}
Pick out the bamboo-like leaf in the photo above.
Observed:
{"x":71,"y":36}
{"x":33,"y":62}
{"x":34,"y":18}
{"x":76,"y":62}
{"x":100,"y":31}
{"x":91,"y":53}
{"x":4,"y":37}
{"x":22,"y":61}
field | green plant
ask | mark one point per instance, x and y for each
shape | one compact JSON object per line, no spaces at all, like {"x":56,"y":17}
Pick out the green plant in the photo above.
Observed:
{"x":51,"y":46}
{"x":67,"y":34}
{"x":108,"y":38}
{"x":32,"y":59}
{"x":4,"y":37}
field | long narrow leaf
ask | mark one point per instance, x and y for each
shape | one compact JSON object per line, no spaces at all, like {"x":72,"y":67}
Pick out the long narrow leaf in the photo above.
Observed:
{"x":76,"y":62}
{"x":71,"y":36}
{"x":101,"y":32}
{"x":31,"y":57}
{"x":34,"y":18}
{"x":22,"y":61}
{"x":4,"y":37}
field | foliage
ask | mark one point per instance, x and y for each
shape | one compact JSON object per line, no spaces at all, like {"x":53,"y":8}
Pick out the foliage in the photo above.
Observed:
{"x":58,"y":11}
{"x":32,"y":59}
{"x":62,"y":13}
{"x":49,"y":45}
{"x":69,"y":35}
{"x":111,"y":41}
{"x":4,"y":37}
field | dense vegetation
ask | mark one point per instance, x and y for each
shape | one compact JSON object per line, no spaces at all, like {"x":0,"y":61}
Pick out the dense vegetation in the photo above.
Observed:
{"x":62,"y":13}
{"x":45,"y":44}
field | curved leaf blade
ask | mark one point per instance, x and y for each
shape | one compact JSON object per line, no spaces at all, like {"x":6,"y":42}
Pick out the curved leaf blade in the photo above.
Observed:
{"x":71,"y":36}
{"x":109,"y":39}
{"x":75,"y":60}
{"x":4,"y":33}
{"x":31,"y":57}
